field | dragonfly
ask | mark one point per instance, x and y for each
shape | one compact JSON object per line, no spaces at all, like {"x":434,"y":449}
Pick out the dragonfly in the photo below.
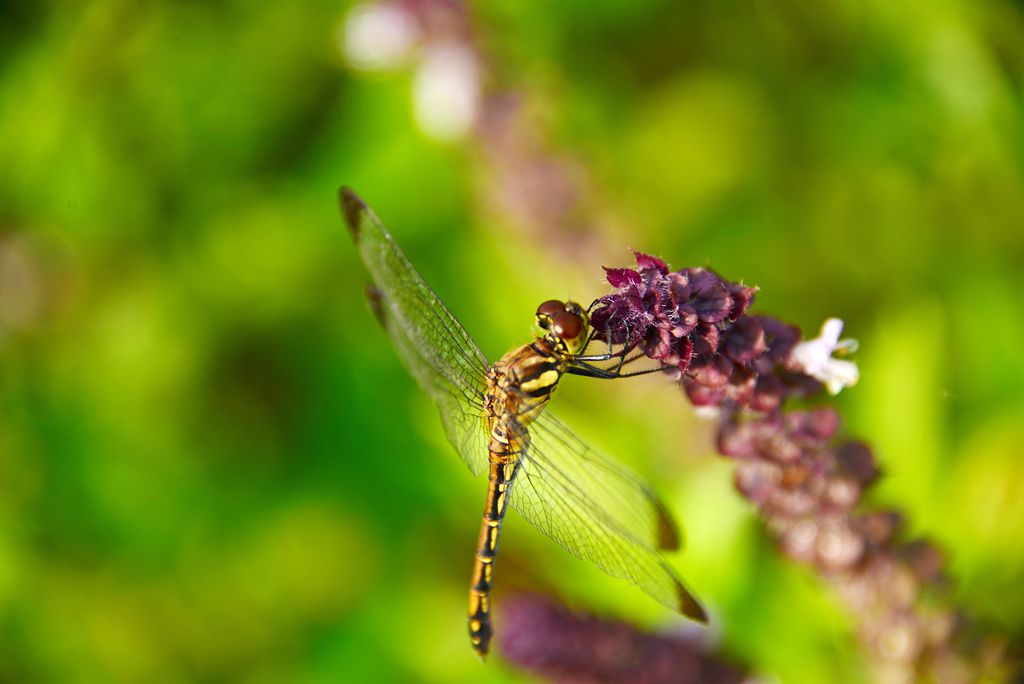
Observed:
{"x":494,"y":415}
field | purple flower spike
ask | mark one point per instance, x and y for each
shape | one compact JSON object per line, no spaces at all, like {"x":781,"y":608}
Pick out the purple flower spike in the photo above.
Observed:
{"x":709,"y":295}
{"x":806,"y":484}
{"x":559,"y":645}
{"x":742,"y":297}
{"x":646,"y":262}
{"x":695,"y":321}
{"x":621,"y":277}
{"x":744,"y":341}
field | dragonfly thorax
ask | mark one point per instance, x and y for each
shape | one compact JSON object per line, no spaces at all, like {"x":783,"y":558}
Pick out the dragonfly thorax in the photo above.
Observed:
{"x":519,"y":386}
{"x":563,"y":326}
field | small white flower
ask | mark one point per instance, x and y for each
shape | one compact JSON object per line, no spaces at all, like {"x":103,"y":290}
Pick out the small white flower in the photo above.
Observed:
{"x":446,"y":91}
{"x":814,"y":357}
{"x":376,"y":37}
{"x":707,"y":412}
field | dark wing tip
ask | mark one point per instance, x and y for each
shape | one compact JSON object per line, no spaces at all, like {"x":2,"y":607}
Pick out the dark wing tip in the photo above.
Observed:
{"x":376,"y":300}
{"x":668,"y":532}
{"x":352,"y":208}
{"x":689,"y":606}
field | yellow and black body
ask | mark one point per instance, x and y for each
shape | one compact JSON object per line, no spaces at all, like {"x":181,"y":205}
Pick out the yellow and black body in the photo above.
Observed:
{"x":518,"y":387}
{"x":495,"y":418}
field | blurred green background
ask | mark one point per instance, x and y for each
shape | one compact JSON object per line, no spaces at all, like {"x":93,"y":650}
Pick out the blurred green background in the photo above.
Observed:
{"x":213,"y":466}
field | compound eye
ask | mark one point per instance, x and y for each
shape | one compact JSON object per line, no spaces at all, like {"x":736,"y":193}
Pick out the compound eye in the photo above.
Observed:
{"x":566,"y":325}
{"x":549,"y":308}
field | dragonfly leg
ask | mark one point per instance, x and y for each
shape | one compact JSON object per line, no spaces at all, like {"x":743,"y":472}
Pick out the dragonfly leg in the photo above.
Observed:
{"x":611,"y":353}
{"x":590,"y":338}
{"x":588,"y":371}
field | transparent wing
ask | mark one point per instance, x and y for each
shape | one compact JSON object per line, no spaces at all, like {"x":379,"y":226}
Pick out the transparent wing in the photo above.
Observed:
{"x":435,"y":347}
{"x":599,"y":511}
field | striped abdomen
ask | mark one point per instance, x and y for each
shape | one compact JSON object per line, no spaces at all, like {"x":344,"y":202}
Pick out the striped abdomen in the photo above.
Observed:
{"x":499,"y":482}
{"x":519,"y":386}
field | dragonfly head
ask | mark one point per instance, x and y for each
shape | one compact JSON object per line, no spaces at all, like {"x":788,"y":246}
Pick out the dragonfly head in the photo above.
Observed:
{"x":565,"y":326}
